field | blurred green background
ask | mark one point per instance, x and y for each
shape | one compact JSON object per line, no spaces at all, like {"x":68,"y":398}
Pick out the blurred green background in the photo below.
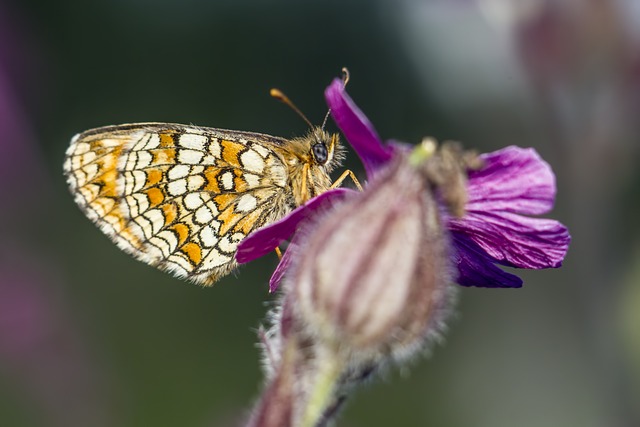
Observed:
{"x":90,"y":337}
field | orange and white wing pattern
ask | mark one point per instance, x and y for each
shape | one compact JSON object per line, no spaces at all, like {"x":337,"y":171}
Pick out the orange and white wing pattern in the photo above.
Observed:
{"x":178,"y":197}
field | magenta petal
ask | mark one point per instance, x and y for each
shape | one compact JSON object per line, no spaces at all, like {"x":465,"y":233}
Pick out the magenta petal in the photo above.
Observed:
{"x":266,"y":239}
{"x":281,"y":269}
{"x":475,"y":268}
{"x":516,"y":240}
{"x":513,"y":179}
{"x":357,"y":128}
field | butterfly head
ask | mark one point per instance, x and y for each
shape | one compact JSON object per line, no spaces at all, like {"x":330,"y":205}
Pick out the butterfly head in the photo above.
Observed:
{"x":325,"y":149}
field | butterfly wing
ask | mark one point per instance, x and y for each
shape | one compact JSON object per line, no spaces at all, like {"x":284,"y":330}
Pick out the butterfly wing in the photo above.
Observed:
{"x":178,"y":197}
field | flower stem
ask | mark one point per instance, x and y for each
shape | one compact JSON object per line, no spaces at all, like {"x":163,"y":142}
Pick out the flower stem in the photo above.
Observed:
{"x":322,"y":388}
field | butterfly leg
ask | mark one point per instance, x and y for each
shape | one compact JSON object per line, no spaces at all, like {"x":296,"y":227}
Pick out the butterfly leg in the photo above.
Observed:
{"x":306,"y":177}
{"x":345,"y":174}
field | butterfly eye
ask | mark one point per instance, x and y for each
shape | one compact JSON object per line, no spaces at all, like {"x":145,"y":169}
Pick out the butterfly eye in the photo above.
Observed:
{"x":320,"y":152}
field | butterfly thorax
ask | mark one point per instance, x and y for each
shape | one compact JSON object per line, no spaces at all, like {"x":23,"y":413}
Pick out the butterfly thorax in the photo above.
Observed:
{"x":310,"y":160}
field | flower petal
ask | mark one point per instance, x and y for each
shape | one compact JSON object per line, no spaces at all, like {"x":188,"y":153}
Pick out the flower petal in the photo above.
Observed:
{"x":282,"y":268}
{"x":475,"y":268}
{"x":513,"y":179}
{"x":266,"y":239}
{"x":357,"y":128}
{"x":516,"y":240}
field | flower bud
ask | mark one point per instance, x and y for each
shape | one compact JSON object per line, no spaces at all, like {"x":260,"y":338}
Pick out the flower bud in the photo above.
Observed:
{"x":374,"y":278}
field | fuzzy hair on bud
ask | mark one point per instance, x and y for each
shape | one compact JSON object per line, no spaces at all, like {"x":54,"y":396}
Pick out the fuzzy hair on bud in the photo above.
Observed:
{"x":375,"y":276}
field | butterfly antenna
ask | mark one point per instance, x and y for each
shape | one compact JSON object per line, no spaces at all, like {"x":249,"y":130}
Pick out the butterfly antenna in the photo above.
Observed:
{"x":277,"y":94}
{"x":280,"y":96}
{"x":345,"y":76}
{"x":345,"y":80}
{"x":324,"y":122}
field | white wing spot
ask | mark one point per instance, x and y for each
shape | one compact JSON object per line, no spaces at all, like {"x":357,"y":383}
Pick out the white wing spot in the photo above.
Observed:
{"x":87,"y":157}
{"x":177,"y":188}
{"x":203,"y":215}
{"x":252,"y":161}
{"x":115,"y":142}
{"x":263,"y":151}
{"x":227,"y":180}
{"x":227,"y":244}
{"x":193,"y":141}
{"x":194,"y":182}
{"x":80,"y":148}
{"x":193,"y":201}
{"x":208,"y":237}
{"x":246,"y":203}
{"x":209,"y":160}
{"x":213,"y":208}
{"x":214,"y":147}
{"x":154,"y":142}
{"x":252,"y":180}
{"x":178,"y":171}
{"x":144,"y":159}
{"x":190,"y":157}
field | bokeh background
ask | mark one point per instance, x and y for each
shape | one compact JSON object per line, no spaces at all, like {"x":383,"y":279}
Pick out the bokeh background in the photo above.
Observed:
{"x":90,"y":337}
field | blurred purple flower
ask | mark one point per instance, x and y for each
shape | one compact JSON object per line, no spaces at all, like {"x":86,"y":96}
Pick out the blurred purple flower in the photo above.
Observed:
{"x":20,"y":166}
{"x":513,"y":182}
{"x":48,"y":366}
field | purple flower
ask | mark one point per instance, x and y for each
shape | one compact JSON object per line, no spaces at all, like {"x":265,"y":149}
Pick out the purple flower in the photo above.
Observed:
{"x":494,"y":231}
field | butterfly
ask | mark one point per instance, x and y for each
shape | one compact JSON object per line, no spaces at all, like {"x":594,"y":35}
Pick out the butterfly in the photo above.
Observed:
{"x":182,"y":197}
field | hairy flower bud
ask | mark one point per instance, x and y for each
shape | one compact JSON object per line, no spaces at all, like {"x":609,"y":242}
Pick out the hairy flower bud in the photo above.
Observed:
{"x":375,"y":276}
